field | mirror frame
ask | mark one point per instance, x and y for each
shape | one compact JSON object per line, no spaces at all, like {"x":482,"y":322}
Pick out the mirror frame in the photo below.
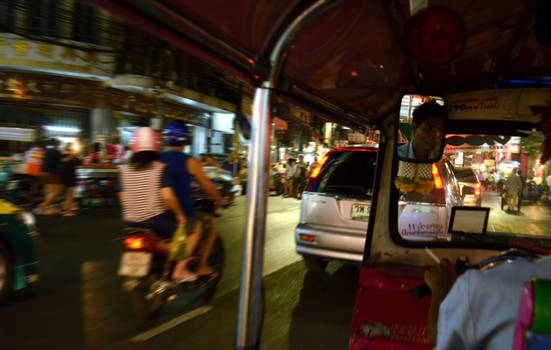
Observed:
{"x":397,"y":128}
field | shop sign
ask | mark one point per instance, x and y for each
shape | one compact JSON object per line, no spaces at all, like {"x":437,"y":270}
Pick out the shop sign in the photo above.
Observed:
{"x":280,"y":123}
{"x":17,"y":134}
{"x":41,"y":87}
{"x":510,"y":104}
{"x":16,"y":51}
{"x":485,"y":148}
{"x":356,"y":137}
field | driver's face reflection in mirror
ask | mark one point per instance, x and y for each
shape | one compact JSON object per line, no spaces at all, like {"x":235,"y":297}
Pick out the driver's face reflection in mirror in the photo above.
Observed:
{"x":427,"y":128}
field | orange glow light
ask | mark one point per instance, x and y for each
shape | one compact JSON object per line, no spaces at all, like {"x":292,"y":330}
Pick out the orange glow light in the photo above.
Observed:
{"x":354,"y":73}
{"x":317,"y":170}
{"x":437,"y":179}
{"x":134,"y":243}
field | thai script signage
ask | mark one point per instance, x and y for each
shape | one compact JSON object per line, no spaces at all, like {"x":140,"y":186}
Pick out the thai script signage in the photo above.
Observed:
{"x":19,"y":52}
{"x":509,"y":104}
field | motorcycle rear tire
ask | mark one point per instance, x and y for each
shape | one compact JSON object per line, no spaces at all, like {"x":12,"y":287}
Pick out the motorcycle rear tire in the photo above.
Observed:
{"x":143,"y":307}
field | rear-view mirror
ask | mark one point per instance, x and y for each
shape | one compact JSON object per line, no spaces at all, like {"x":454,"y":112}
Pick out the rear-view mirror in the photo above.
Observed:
{"x":421,"y":131}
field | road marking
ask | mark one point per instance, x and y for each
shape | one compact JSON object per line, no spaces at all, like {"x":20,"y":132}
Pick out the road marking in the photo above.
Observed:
{"x":170,"y":324}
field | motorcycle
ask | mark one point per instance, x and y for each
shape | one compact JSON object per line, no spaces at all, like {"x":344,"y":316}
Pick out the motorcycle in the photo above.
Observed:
{"x":277,"y":180}
{"x":146,"y":269}
{"x":23,"y":191}
{"x":223,"y":181}
{"x":531,"y":192}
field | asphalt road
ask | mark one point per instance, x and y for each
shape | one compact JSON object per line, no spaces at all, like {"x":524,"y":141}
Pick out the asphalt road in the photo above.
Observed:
{"x":79,"y":303}
{"x":534,"y":218}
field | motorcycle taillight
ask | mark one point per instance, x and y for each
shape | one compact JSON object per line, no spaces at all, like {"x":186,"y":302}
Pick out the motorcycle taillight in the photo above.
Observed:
{"x":138,"y":241}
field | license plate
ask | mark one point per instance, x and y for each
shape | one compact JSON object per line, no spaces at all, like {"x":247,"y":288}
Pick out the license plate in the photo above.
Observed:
{"x":135,"y":264}
{"x":360,"y":211}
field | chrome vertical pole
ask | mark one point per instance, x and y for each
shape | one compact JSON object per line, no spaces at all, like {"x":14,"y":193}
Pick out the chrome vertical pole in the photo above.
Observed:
{"x":253,"y":244}
{"x":248,"y":329}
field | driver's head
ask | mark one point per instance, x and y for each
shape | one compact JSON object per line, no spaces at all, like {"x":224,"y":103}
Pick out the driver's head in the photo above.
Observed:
{"x":427,"y":126}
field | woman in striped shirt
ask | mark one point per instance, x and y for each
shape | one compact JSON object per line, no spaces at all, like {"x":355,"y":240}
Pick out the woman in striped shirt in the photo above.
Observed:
{"x":148,"y":200}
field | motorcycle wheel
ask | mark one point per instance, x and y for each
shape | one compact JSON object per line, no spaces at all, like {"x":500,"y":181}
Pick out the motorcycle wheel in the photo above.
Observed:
{"x":216,"y":262}
{"x":146,"y":308}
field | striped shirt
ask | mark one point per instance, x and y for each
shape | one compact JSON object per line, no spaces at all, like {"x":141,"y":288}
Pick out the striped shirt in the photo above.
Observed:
{"x":141,"y":192}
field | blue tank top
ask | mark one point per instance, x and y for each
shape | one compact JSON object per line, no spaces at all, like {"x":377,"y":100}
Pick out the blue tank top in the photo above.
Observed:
{"x":181,"y":179}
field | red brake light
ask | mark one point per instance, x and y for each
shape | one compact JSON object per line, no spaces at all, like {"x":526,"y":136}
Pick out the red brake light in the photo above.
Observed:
{"x":134,"y":242}
{"x":307,"y":238}
{"x":436,"y":175}
{"x":138,"y":241}
{"x":477,"y":186}
{"x":477,"y":192}
{"x":317,"y":169}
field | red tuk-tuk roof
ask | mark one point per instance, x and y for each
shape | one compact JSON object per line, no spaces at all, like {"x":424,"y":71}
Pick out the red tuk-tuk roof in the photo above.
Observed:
{"x":352,"y":56}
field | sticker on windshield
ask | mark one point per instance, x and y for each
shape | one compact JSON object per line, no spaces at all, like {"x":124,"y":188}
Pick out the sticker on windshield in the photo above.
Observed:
{"x":421,"y":221}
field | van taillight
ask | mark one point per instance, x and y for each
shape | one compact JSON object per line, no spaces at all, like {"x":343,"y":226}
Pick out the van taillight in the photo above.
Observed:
{"x":477,"y":189}
{"x":436,"y":175}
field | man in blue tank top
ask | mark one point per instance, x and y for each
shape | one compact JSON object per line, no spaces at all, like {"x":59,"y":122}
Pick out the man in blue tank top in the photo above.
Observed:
{"x":183,"y":170}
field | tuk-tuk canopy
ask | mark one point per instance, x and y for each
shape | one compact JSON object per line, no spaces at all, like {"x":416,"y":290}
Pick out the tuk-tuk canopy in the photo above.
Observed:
{"x":352,"y":55}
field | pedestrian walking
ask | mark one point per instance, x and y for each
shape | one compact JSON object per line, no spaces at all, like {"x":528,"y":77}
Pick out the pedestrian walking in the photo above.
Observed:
{"x":67,"y":171}
{"x":300,"y":177}
{"x":289,"y":178}
{"x":50,"y":178}
{"x":513,"y":187}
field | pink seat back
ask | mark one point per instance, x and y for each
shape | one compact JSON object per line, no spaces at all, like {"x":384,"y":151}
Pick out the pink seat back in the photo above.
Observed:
{"x":525,"y":316}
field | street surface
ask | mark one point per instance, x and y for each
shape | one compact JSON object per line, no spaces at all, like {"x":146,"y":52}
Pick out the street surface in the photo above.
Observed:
{"x":79,"y":303}
{"x":534,"y":218}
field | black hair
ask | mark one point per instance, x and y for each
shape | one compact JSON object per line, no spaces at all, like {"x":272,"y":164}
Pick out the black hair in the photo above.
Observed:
{"x":55,"y":142}
{"x":143,"y":160}
{"x":421,"y":113}
{"x":97,"y":147}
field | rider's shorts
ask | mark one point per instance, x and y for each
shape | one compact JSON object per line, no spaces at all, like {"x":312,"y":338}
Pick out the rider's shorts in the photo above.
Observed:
{"x":165,"y":224}
{"x":202,"y":219}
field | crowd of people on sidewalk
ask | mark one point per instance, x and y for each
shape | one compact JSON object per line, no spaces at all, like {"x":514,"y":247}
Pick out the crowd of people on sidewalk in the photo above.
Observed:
{"x":53,"y":168}
{"x":297,"y":173}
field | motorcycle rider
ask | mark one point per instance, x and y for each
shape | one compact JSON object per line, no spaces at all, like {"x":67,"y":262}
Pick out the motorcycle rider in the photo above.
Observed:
{"x":183,"y":170}
{"x":146,"y":193}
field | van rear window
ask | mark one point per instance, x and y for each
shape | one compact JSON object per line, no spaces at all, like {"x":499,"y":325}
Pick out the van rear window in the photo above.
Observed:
{"x":348,"y":173}
{"x":465,"y":175}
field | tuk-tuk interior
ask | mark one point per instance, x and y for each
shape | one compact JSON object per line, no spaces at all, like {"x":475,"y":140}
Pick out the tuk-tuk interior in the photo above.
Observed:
{"x":349,"y":61}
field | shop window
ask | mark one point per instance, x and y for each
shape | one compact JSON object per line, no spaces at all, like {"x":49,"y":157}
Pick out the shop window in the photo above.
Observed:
{"x":42,"y":19}
{"x":86,"y":23}
{"x":7,"y":12}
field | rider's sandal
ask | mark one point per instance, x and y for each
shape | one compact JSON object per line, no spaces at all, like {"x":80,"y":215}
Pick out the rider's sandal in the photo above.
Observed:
{"x":209,"y":277}
{"x":186,"y":279}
